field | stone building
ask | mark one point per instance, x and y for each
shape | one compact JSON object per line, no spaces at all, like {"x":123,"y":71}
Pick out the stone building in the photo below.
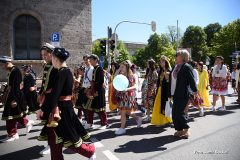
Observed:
{"x":132,"y":47}
{"x":27,"y":24}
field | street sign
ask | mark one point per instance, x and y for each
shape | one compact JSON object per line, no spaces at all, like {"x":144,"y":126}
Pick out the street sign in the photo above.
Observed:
{"x":55,"y":39}
{"x":102,"y":58}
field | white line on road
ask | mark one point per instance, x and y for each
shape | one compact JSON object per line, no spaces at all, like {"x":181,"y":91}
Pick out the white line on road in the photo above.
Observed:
{"x":110,"y":155}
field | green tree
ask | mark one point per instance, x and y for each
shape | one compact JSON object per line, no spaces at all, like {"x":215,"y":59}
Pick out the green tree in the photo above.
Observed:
{"x":96,"y":48}
{"x":195,"y":38}
{"x":227,"y":40}
{"x":157,"y":45}
{"x":211,"y":30}
{"x":123,"y":53}
{"x":172,"y":35}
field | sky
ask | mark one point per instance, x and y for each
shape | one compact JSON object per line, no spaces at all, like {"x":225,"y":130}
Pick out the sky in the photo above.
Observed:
{"x":164,"y":12}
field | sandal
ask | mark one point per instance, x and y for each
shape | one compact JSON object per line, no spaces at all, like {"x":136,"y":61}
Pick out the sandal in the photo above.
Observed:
{"x":178,"y":134}
{"x":185,"y":135}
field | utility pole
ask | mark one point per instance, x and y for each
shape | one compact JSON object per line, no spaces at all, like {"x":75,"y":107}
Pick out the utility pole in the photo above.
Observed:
{"x":177,"y":37}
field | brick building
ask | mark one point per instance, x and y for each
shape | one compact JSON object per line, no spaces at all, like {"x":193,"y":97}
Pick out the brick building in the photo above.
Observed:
{"x":27,"y":24}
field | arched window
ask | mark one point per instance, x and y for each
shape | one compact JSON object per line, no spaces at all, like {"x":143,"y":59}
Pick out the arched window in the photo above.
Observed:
{"x":27,"y":38}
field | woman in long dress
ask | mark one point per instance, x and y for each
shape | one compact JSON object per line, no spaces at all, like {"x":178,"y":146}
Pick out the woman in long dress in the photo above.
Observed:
{"x":111,"y":99}
{"x":151,"y":88}
{"x":203,"y":85}
{"x":158,"y":115}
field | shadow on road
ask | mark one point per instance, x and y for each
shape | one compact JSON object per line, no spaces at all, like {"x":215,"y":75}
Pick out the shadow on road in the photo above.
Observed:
{"x":229,"y":110}
{"x":157,"y":144}
{"x":25,"y":154}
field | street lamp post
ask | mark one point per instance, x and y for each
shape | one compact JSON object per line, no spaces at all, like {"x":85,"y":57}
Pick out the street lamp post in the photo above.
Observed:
{"x":152,"y":24}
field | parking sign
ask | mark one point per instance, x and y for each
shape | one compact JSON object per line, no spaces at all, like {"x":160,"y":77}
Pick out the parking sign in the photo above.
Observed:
{"x":56,"y":39}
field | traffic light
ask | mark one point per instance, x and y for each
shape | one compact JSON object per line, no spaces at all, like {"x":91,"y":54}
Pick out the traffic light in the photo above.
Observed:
{"x":112,"y":44}
{"x":103,"y":47}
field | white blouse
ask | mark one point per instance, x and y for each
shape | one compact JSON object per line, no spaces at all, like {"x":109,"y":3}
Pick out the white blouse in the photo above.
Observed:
{"x":217,"y":72}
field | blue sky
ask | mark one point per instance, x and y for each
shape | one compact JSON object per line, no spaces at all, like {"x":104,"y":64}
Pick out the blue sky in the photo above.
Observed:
{"x":164,"y":12}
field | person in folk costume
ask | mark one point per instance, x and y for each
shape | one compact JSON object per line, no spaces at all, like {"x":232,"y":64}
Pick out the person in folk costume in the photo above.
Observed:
{"x":48,"y":80}
{"x":96,"y":97}
{"x":14,"y":104}
{"x":112,"y":100}
{"x":220,"y":82}
{"x":237,"y":86}
{"x":150,"y":88}
{"x":203,"y":86}
{"x":80,"y":98}
{"x":158,"y":115}
{"x":76,"y":84}
{"x":233,"y":77}
{"x":126,"y":99}
{"x":30,"y":89}
{"x":197,"y":101}
{"x":181,"y":79}
{"x":69,"y":132}
{"x":86,"y":86}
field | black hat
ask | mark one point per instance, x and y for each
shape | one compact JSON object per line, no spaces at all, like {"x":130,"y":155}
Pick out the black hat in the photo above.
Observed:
{"x":61,"y":53}
{"x":5,"y":59}
{"x":48,"y":47}
{"x":94,"y":56}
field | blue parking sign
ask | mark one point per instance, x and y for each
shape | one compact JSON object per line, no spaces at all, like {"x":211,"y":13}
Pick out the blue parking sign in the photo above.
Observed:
{"x":55,"y":37}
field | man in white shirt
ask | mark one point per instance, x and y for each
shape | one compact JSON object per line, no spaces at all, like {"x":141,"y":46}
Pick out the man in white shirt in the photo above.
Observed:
{"x":87,"y":78}
{"x":88,"y":72}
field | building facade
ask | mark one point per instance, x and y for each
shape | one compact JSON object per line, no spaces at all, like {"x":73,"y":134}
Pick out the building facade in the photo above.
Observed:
{"x":133,"y":47}
{"x":27,"y":24}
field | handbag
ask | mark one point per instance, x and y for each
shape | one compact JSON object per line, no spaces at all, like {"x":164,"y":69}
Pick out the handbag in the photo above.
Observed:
{"x":168,"y":109}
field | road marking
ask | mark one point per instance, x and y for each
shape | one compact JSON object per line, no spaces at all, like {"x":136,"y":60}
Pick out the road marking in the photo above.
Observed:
{"x":110,"y":155}
{"x":97,"y":143}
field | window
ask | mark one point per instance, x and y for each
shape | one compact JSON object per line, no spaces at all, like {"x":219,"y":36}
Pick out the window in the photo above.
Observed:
{"x":27,"y":38}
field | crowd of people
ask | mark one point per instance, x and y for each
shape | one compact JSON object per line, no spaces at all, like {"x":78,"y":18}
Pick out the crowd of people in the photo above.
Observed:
{"x":167,"y":93}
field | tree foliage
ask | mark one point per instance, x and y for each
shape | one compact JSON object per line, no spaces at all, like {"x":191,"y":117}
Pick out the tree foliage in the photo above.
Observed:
{"x":157,"y":45}
{"x":195,"y":38}
{"x":123,"y":53}
{"x":227,"y":40}
{"x":211,"y":30}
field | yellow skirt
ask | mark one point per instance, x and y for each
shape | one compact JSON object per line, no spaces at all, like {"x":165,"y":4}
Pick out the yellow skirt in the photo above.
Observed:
{"x":112,"y":106}
{"x":158,"y":118}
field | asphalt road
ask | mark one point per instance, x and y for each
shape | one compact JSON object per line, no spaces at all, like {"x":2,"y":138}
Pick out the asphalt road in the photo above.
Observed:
{"x":216,"y":136}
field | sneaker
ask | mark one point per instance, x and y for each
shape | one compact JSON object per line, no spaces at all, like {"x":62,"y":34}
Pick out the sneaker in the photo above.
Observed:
{"x":29,"y":126}
{"x":139,"y":122}
{"x":120,"y":131}
{"x":11,"y":139}
{"x":147,"y":119}
{"x":213,"y":108}
{"x":46,"y":150}
{"x":88,"y":126}
{"x":201,"y":112}
{"x":83,"y":122}
{"x":222,"y":108}
{"x":103,"y":127}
